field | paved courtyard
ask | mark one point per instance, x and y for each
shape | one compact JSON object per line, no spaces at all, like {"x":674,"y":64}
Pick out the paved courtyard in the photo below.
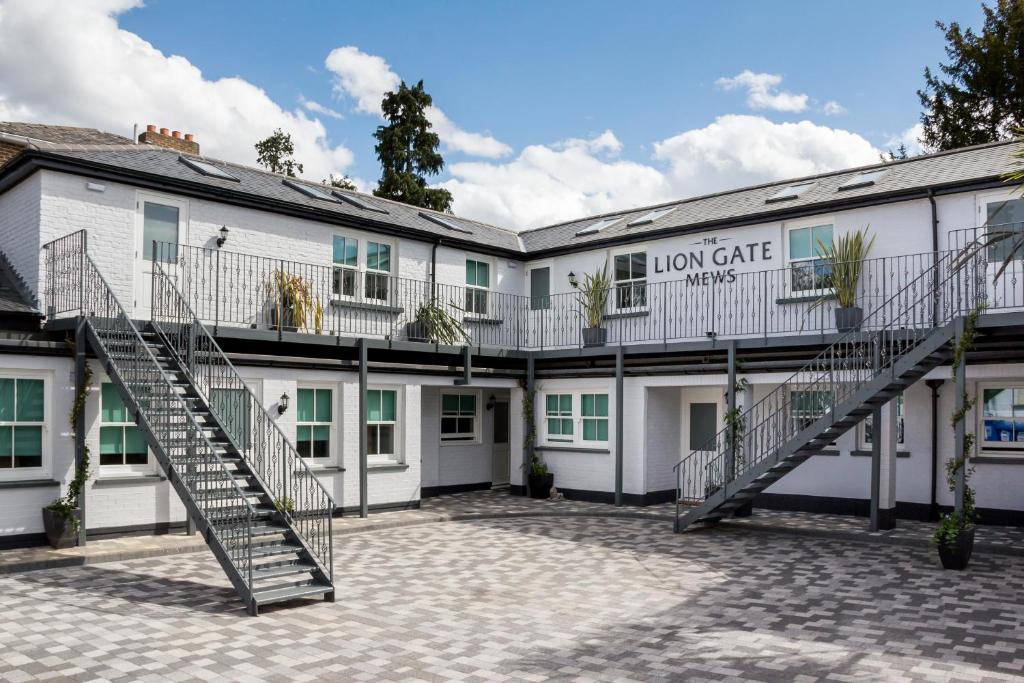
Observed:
{"x":535,"y":599}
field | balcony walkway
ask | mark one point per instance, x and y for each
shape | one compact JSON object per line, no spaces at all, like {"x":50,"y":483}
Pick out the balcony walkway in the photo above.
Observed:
{"x":497,"y":504}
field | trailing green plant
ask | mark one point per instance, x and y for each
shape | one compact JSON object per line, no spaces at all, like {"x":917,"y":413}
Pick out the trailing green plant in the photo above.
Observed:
{"x":284,"y":505}
{"x":845,"y":256}
{"x":293,"y":297}
{"x":67,"y":505}
{"x":439,"y":326}
{"x":593,"y":295}
{"x":951,"y":524}
{"x":530,"y":433}
{"x":538,"y":467}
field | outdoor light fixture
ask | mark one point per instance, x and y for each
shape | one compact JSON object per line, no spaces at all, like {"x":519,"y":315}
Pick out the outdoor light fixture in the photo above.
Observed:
{"x":490,"y":402}
{"x":573,"y":281}
{"x":223,"y":236}
{"x":282,"y":403}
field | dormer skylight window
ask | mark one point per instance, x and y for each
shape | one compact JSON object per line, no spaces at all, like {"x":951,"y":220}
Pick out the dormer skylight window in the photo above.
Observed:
{"x":791,"y":192}
{"x":864,"y":179}
{"x":444,"y":223}
{"x":598,"y":226}
{"x":207,"y":169}
{"x":650,"y":217}
{"x":310,"y":191}
{"x":357,"y":202}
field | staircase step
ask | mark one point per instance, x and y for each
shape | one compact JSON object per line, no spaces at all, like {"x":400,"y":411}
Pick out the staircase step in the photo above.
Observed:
{"x":294,"y":568}
{"x":276,"y":550}
{"x":290,"y":592}
{"x":268,"y":529}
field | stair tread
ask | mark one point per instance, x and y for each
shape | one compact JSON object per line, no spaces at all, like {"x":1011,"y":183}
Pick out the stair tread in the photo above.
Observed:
{"x":276,"y":549}
{"x":280,"y":594}
{"x":296,"y":568}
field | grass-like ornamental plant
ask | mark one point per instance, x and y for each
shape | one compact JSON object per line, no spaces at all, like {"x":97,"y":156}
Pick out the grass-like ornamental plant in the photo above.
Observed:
{"x":295,"y":302}
{"x":845,"y":256}
{"x":436,"y":324}
{"x":593,"y":295}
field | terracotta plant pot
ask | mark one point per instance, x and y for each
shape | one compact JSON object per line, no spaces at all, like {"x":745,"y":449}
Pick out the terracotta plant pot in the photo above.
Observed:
{"x":540,"y":485}
{"x":957,"y":555}
{"x":60,"y":532}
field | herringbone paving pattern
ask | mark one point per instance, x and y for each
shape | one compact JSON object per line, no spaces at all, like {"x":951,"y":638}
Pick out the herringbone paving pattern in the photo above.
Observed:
{"x":535,"y":599}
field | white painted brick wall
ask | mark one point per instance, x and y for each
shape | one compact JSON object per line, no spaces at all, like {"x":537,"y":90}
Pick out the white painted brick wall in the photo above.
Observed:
{"x":19,"y":229}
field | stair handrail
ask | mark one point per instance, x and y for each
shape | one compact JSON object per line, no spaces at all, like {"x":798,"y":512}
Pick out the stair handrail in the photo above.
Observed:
{"x":310,"y":509}
{"x":775,"y":426}
{"x":93,"y":289}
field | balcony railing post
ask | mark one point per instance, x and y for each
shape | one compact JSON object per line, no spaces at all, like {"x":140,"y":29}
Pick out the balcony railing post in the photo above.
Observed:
{"x":216,"y":294}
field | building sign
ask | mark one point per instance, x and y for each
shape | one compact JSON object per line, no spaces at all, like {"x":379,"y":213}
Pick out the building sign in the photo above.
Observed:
{"x":715,"y":261}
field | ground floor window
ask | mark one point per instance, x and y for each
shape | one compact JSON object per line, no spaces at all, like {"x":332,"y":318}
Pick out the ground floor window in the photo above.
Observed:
{"x":558,"y":417}
{"x":867,"y":428}
{"x":121,"y":441}
{"x":458,"y":418}
{"x":314,"y":422}
{"x":576,"y":418}
{"x":1001,"y":416}
{"x":807,"y":406}
{"x":594,"y":412}
{"x":381,"y":423}
{"x":22,"y":420}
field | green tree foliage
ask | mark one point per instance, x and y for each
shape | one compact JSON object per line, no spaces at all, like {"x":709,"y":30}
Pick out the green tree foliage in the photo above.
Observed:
{"x":274,"y":153}
{"x":978,"y":96}
{"x":407,"y":150}
{"x":342,"y":183}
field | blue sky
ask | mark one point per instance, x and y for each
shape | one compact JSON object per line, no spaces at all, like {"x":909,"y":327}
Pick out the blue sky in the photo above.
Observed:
{"x":533,"y":76}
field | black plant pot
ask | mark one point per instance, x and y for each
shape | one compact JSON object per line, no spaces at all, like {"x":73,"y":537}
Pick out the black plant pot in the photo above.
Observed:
{"x":286,"y":323}
{"x":957,"y":555}
{"x":849,"y":319}
{"x":60,"y":532}
{"x":594,"y":336}
{"x":540,"y":485}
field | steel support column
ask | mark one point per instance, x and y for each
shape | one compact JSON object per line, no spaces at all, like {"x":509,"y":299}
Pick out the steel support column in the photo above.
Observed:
{"x":730,"y":407}
{"x":876,"y":443}
{"x":80,"y":361}
{"x":364,"y":505}
{"x":467,"y":367}
{"x":529,"y":420}
{"x":960,"y":426}
{"x":619,"y":420}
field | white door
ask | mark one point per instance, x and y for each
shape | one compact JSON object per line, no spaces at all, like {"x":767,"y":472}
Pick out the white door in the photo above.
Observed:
{"x":501,"y":453}
{"x":1002,"y":214}
{"x":540,"y":330}
{"x":701,"y":421}
{"x":162,"y":220}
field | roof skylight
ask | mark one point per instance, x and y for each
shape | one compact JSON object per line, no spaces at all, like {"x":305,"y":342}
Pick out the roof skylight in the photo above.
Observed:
{"x":598,"y":226}
{"x":863,"y":179}
{"x":310,"y":191}
{"x":357,"y":202}
{"x":650,"y":217}
{"x":207,"y":169}
{"x":443,"y":222}
{"x":791,"y":192}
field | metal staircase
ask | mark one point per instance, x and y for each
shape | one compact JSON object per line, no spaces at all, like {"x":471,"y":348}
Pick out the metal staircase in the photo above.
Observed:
{"x":902,"y":339}
{"x":266,"y":518}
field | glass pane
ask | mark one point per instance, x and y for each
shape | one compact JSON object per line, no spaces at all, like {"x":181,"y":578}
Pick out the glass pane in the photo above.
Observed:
{"x":479,"y":301}
{"x":450,"y":403}
{"x":111,"y":440}
{"x":470,"y":272}
{"x":1010,"y":211}
{"x":554,"y":427}
{"x":321,"y":442}
{"x":590,"y":430}
{"x":565,"y":404}
{"x":346,"y":251}
{"x":465,"y":425}
{"x":449,"y":425}
{"x":800,"y":243}
{"x":540,"y":289}
{"x":821,"y":234}
{"x":112,"y":407}
{"x":373,"y":405}
{"x":371,"y":255}
{"x":566,"y":427}
{"x":6,"y":400}
{"x":996,"y":403}
{"x":28,"y":446}
{"x":467,"y":404}
{"x":30,"y":400}
{"x":622,"y":267}
{"x":587,"y":405}
{"x":372,"y":445}
{"x":483,"y":274}
{"x":602,"y":405}
{"x":638,"y":264}
{"x":387,"y":440}
{"x":134,"y":443}
{"x":159,"y":223}
{"x":602,"y":430}
{"x":324,"y":410}
{"x":304,"y":411}
{"x":384,"y":258}
{"x":551,"y":401}
{"x":387,"y":401}
{"x":703,"y":426}
{"x":303,"y":444}
{"x":6,"y":447}
{"x":303,"y":433}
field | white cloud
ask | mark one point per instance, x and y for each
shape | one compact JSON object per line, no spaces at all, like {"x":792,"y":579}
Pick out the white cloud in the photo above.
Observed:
{"x":911,"y":138}
{"x":318,"y":108}
{"x":580,"y":177}
{"x":70,"y":63}
{"x":366,"y":78}
{"x":833,"y":108}
{"x":761,"y":91}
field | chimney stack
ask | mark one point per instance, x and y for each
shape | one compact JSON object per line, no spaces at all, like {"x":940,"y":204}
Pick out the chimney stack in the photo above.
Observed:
{"x":169,"y":139}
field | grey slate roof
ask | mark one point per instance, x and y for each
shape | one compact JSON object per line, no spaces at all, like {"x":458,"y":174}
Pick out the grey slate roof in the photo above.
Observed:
{"x":165,"y":162}
{"x":956,"y":166}
{"x":68,"y":135}
{"x":14,"y":298}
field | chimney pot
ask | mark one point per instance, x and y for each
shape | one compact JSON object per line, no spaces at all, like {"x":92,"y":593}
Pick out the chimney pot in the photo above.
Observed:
{"x":164,"y":131}
{"x":189,"y":137}
{"x":176,"y":134}
{"x":151,"y":128}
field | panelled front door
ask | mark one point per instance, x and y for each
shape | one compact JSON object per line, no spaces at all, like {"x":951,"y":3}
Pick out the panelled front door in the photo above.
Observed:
{"x":158,"y":219}
{"x":701,"y":421}
{"x":501,"y":453}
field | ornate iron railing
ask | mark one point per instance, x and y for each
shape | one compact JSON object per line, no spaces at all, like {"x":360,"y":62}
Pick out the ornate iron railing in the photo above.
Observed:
{"x":228,"y":288}
{"x":296,"y":491}
{"x":929,"y":300}
{"x":991,"y":245}
{"x":75,"y":286}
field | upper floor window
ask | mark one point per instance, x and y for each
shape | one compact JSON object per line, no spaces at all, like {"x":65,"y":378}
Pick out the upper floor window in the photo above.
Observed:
{"x":374,"y":259}
{"x":1003,"y":216}
{"x":630,"y":275}
{"x":809,"y":273}
{"x":346,"y":265}
{"x":121,"y":441}
{"x":22,"y":418}
{"x":478,"y":282}
{"x":378,"y":270}
{"x":314,"y":422}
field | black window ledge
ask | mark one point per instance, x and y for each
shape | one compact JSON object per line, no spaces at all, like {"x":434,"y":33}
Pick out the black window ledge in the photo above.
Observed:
{"x":483,"y":321}
{"x":128,"y":480}
{"x":626,"y":314}
{"x":805,"y":299}
{"x":997,"y":460}
{"x":363,"y":306}
{"x":321,"y":469}
{"x":863,"y":453}
{"x":28,"y":483}
{"x":571,"y":449}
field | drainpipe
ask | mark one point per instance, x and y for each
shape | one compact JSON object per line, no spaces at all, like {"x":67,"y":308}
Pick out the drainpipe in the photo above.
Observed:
{"x":935,"y":255}
{"x":433,"y":269}
{"x":933,"y":506}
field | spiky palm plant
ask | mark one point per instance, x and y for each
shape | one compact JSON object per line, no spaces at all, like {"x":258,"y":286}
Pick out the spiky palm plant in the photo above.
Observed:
{"x":845,"y":256}
{"x":593,"y":295}
{"x":439,"y":326}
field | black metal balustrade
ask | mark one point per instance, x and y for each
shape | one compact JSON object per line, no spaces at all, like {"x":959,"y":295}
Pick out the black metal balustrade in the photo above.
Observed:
{"x":992,"y":244}
{"x":229,"y":288}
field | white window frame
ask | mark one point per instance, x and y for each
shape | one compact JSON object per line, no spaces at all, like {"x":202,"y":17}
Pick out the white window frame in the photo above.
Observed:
{"x":790,"y":226}
{"x":113,"y":471}
{"x":46,"y":462}
{"x":607,"y":418}
{"x":646,"y":279}
{"x":983,"y":447}
{"x":398,"y":457}
{"x":337,"y":268}
{"x":362,"y":268}
{"x":575,"y":415}
{"x":982,"y":200}
{"x":792,"y":413}
{"x":901,"y":426}
{"x":333,"y":449}
{"x":388,"y":274}
{"x":488,"y":290}
{"x":457,"y":438}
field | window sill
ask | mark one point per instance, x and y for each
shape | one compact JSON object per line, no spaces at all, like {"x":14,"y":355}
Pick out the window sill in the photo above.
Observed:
{"x":386,"y":466}
{"x":318,"y":469}
{"x":997,"y":460}
{"x":469,"y":319}
{"x":572,"y":449}
{"x":642,"y":313}
{"x":805,"y":298}
{"x":459,"y":442}
{"x":863,"y":453}
{"x":363,"y":306}
{"x":128,"y":480}
{"x":28,"y":483}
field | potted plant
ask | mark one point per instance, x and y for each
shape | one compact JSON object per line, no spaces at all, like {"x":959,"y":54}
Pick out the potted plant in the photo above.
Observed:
{"x":539,"y":479}
{"x":435,"y":324}
{"x":593,"y":296}
{"x":845,"y":258}
{"x":293,"y":304}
